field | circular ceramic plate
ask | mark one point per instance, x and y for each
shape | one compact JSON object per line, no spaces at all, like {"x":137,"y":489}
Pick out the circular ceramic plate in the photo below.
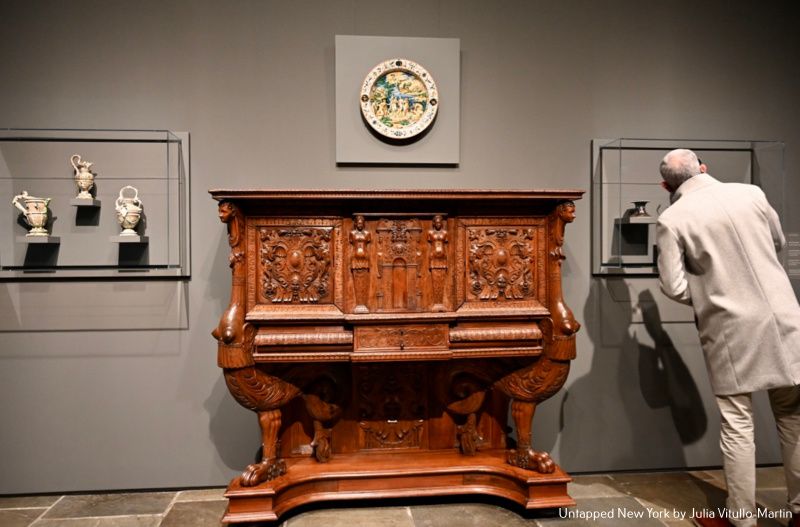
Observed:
{"x":399,"y":99}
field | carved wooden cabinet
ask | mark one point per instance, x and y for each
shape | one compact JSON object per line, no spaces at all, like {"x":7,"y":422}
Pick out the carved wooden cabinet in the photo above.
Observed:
{"x":381,"y":337}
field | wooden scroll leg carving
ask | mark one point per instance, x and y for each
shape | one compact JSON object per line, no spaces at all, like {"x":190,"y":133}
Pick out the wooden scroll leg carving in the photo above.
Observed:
{"x":464,"y":397}
{"x":524,"y":456}
{"x":265,"y":394}
{"x":531,"y":385}
{"x":271,"y":465}
{"x":468,"y":436}
{"x":324,"y":414}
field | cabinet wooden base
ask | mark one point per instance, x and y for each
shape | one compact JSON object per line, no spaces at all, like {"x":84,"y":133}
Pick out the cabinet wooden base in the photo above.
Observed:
{"x":404,"y":474}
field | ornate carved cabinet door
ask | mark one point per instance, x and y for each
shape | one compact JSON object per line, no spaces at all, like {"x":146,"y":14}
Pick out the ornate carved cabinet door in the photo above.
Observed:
{"x":504,"y":262}
{"x":399,"y":263}
{"x":294,"y":265}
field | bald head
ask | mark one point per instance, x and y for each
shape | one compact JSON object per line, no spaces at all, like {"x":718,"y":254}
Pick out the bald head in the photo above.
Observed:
{"x":678,"y":166}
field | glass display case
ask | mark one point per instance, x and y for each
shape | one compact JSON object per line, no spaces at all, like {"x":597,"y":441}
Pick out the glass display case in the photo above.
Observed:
{"x":94,"y":204}
{"x":627,"y":197}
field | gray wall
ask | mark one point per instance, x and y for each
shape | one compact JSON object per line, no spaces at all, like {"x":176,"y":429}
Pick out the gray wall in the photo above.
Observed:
{"x":252,"y":81}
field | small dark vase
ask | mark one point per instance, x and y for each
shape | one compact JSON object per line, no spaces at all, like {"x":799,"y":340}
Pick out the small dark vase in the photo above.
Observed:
{"x":639,"y":210}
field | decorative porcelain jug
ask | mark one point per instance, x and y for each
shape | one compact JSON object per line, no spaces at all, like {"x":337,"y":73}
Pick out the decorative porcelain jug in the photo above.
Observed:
{"x":129,"y":210}
{"x":83,"y":176}
{"x":34,"y":210}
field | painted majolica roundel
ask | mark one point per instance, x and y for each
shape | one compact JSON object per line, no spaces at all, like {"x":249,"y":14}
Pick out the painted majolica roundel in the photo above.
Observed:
{"x":399,"y":99}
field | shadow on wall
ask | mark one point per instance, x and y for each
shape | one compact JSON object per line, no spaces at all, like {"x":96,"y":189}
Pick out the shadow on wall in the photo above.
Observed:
{"x":665,"y":379}
{"x":9,"y":308}
{"x":648,"y":406}
{"x":233,"y":429}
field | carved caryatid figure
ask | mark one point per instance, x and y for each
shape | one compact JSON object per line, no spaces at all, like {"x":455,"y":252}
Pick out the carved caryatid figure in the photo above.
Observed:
{"x":252,"y":387}
{"x":437,"y":237}
{"x":563,"y":319}
{"x":534,"y":383}
{"x":359,"y":263}
{"x":228,"y":330}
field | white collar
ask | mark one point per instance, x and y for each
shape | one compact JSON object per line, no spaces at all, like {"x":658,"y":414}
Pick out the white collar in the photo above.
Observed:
{"x":693,"y":183}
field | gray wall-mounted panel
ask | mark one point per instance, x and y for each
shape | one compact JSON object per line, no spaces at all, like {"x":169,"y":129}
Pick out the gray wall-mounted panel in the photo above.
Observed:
{"x":355,"y":57}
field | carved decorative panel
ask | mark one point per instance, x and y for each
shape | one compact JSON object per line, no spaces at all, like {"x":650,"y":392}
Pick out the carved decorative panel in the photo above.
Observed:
{"x":501,"y":263}
{"x":295,"y":264}
{"x":392,"y":405}
{"x":388,"y":434}
{"x":399,"y":264}
{"x":401,"y":337}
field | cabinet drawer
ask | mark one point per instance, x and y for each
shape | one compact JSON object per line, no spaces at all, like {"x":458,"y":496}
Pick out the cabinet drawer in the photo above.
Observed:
{"x":496,"y":334}
{"x":406,"y":337}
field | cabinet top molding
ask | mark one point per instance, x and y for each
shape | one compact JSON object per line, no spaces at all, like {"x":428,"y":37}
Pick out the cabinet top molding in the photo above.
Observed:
{"x":417,"y":194}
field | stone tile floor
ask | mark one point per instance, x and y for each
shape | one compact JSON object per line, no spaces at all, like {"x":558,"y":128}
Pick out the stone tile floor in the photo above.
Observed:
{"x":635,"y":499}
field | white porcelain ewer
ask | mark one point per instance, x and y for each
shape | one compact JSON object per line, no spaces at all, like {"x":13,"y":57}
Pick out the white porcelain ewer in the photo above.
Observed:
{"x":34,"y":210}
{"x":83,"y":176}
{"x":129,"y":210}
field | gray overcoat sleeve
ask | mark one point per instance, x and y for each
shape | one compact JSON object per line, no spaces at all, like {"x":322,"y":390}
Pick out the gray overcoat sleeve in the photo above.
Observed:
{"x":774,"y":223}
{"x":671,"y":265}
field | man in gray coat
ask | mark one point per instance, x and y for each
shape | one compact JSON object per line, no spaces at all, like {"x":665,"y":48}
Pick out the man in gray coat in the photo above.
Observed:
{"x":718,"y":245}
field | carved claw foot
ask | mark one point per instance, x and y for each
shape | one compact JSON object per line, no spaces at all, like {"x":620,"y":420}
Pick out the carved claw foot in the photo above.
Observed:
{"x":324,"y":413}
{"x":258,"y":473}
{"x":321,"y":443}
{"x":468,"y":440}
{"x":530,"y":459}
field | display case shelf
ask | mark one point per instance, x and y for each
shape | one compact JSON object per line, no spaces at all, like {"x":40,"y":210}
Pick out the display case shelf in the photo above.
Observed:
{"x":156,"y":162}
{"x":626,"y":171}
